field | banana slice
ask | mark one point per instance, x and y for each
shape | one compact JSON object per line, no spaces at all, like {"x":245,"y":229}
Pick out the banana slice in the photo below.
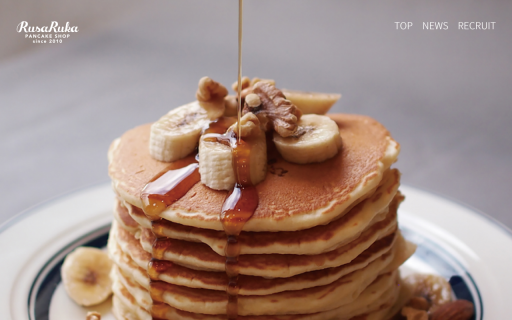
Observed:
{"x":215,"y":163}
{"x":311,"y":102}
{"x":176,"y":134}
{"x":317,"y":139}
{"x":216,"y":159}
{"x":85,"y":275}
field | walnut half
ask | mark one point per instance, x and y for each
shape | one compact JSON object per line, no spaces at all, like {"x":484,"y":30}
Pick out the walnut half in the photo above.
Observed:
{"x":414,"y":314}
{"x":275,"y":112}
{"x":247,"y":86}
{"x":247,"y":83}
{"x":250,"y":126}
{"x":210,"y":95}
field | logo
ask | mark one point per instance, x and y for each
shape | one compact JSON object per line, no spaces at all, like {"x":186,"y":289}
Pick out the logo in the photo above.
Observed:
{"x":46,"y":34}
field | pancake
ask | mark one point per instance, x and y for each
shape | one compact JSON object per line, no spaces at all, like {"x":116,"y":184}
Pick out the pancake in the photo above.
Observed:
{"x":251,"y":285}
{"x":305,"y":197}
{"x":122,"y":311}
{"x":129,"y":245}
{"x":373,"y":311}
{"x":376,"y":308}
{"x":136,"y":213}
{"x":356,"y":302}
{"x":125,"y":305}
{"x":200,"y":256}
{"x":342,"y":292}
{"x":126,"y":263}
{"x":389,"y":248}
{"x":403,"y":251}
{"x":124,"y":218}
{"x":322,"y":244}
{"x":140,"y":294}
{"x":309,"y":241}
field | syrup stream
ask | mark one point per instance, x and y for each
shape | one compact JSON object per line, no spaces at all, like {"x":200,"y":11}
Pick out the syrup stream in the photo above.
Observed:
{"x":240,"y":11}
{"x":173,"y":183}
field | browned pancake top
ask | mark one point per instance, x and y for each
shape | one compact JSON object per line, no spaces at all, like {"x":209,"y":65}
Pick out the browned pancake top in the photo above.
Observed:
{"x":263,"y":239}
{"x":288,"y":189}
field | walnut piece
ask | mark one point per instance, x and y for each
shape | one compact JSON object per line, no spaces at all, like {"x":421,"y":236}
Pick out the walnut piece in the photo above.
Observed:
{"x":93,"y":315}
{"x":210,"y":95}
{"x":275,"y":111}
{"x":230,"y":106}
{"x":231,"y":103}
{"x":247,"y":86}
{"x":246,"y":83}
{"x":250,"y":126}
{"x":414,"y":314}
{"x":435,"y":289}
{"x":256,"y":80}
{"x":252,"y":100}
{"x":419,"y":303}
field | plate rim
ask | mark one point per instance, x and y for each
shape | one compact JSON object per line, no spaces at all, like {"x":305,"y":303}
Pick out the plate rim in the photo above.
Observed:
{"x":22,"y":215}
{"x":461,"y":204}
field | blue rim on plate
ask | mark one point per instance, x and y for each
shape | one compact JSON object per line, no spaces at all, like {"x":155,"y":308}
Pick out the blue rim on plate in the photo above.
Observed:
{"x":463,"y":284}
{"x":48,"y":278}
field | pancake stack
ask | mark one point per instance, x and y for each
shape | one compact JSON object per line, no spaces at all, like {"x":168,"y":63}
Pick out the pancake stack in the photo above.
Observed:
{"x":323,"y":242}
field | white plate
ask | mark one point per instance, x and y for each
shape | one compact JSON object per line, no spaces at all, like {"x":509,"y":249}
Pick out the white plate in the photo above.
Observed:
{"x":471,"y":249}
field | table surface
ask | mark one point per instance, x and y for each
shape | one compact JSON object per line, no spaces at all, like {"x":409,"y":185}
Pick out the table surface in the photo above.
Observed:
{"x":443,"y":94}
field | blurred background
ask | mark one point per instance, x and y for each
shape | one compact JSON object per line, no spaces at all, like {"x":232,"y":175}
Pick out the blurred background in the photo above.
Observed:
{"x":445,"y":95}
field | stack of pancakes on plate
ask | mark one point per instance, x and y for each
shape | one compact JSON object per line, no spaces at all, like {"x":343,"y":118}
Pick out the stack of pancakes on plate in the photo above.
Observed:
{"x":323,"y":242}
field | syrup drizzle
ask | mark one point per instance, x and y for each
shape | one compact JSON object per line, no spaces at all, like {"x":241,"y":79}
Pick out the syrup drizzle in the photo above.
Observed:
{"x":169,"y":186}
{"x":240,"y":23}
{"x":160,"y":192}
{"x":173,"y":183}
{"x":237,"y":209}
{"x":219,"y":126}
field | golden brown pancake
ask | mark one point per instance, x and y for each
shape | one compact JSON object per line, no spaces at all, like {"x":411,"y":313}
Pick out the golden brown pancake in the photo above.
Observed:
{"x":323,"y":243}
{"x":136,"y":213}
{"x":309,"y":241}
{"x":122,"y":311}
{"x":139,"y":293}
{"x":376,"y":309}
{"x":200,"y":256}
{"x":349,"y":286}
{"x":130,"y":245}
{"x":124,"y":218}
{"x":251,"y":285}
{"x":126,"y":263}
{"x":343,"y":292}
{"x":306,"y":196}
{"x":125,"y":305}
